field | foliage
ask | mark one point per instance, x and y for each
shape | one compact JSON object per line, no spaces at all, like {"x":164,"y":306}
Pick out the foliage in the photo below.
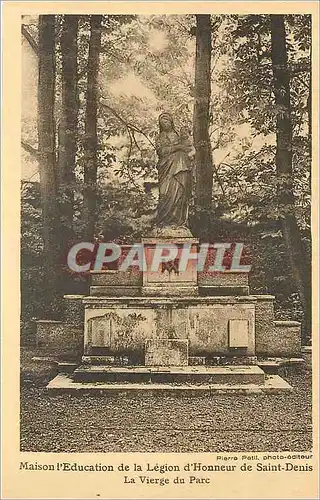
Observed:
{"x":32,"y":297}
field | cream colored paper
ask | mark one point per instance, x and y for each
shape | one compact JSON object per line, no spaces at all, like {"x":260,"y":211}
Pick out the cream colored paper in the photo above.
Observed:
{"x":54,"y":484}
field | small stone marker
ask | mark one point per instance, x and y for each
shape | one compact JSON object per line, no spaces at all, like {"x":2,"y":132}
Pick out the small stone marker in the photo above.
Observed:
{"x":166,"y":352}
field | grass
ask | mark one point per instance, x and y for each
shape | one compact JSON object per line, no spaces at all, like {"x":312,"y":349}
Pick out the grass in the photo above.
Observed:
{"x":145,"y":423}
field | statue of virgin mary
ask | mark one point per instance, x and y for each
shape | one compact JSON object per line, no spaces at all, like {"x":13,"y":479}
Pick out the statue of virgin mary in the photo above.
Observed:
{"x":174,"y":173}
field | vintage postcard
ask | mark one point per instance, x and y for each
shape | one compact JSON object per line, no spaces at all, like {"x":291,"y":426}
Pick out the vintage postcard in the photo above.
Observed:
{"x":160,"y":241}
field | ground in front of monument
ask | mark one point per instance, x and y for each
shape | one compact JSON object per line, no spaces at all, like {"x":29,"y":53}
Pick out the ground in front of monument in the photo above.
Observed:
{"x":168,"y":423}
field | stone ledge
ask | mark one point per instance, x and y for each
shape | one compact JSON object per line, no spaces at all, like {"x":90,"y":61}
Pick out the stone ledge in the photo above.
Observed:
{"x":161,"y":300}
{"x":44,"y":359}
{"x":64,"y":383}
{"x":221,"y":290}
{"x":306,"y":349}
{"x":114,"y":290}
{"x":173,"y":233}
{"x":231,"y":375}
{"x":73,"y":297}
{"x":287,"y":323}
{"x":273,"y":366}
{"x":264,"y":297}
{"x":48,"y":321}
{"x":67,"y":367}
{"x":169,"y":290}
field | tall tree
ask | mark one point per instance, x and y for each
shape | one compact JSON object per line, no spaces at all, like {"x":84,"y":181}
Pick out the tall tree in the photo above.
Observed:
{"x":91,"y":138}
{"x":46,"y":157}
{"x":290,"y":229}
{"x":68,"y":124}
{"x":201,"y":114}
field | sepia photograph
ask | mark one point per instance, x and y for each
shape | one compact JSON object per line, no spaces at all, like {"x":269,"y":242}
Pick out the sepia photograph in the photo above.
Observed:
{"x":166,"y":237}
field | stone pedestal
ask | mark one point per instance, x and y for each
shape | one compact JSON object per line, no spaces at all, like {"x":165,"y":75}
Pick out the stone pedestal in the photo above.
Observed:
{"x":168,"y":316}
{"x":168,"y":279}
{"x":212,"y":325}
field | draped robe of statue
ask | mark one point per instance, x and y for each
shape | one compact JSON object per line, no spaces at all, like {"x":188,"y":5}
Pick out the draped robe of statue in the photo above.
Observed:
{"x":174,"y":174}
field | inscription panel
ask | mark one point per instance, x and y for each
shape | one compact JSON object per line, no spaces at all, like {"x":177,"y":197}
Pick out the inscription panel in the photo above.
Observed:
{"x":238,"y":333}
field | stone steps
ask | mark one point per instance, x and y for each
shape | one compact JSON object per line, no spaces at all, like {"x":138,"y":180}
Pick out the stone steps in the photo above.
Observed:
{"x":230,"y":375}
{"x":64,"y":383}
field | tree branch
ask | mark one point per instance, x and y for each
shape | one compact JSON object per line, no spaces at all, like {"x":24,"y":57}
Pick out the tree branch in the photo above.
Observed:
{"x":128,"y":125}
{"x":213,"y":131}
{"x":31,"y":150}
{"x":218,"y":179}
{"x":32,"y":42}
{"x":135,"y":140}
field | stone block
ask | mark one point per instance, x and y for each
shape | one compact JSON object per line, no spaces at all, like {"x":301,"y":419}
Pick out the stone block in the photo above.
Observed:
{"x":74,"y":310}
{"x":114,"y":278}
{"x":115,"y":290}
{"x":166,"y":352}
{"x":224,"y":279}
{"x":59,"y":339}
{"x":219,"y":290}
{"x":282,"y":339}
{"x":121,"y":325}
{"x":169,"y":279}
{"x":287,"y":338}
{"x":275,"y":338}
{"x":264,"y":325}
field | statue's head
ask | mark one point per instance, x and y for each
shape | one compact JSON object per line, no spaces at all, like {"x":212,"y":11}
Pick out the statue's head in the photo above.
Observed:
{"x":166,"y":122}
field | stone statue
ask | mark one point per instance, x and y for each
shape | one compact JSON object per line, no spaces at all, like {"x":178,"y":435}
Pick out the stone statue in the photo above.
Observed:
{"x":175,"y":177}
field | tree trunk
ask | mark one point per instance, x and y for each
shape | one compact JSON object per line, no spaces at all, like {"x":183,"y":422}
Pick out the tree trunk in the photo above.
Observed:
{"x":68,"y":125}
{"x":203,"y":154}
{"x":47,"y":163}
{"x":91,"y":139}
{"x":300,"y":267}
